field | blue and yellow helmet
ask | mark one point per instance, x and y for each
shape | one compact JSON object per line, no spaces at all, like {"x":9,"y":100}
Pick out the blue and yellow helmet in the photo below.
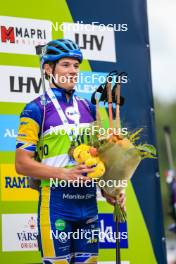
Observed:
{"x":60,"y":48}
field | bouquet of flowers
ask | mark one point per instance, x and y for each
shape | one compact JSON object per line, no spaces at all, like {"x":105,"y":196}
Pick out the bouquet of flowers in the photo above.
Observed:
{"x":113,"y":155}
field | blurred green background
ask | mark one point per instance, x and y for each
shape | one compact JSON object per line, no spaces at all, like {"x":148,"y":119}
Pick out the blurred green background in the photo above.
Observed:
{"x":165,"y":115}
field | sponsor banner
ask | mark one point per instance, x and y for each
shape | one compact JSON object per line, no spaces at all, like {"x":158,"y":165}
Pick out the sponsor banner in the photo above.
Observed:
{"x":8,"y":132}
{"x":21,"y":35}
{"x":88,"y":82}
{"x":23,"y":84}
{"x":20,"y":84}
{"x":15,"y":187}
{"x":112,"y":262}
{"x":107,"y":228}
{"x":19,"y":232}
{"x":95,"y":44}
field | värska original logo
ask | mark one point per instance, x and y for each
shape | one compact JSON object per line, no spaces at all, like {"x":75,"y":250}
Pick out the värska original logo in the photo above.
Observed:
{"x":19,"y":232}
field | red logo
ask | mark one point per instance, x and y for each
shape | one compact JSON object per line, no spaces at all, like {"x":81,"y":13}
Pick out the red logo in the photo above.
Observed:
{"x":7,"y":34}
{"x":32,"y":223}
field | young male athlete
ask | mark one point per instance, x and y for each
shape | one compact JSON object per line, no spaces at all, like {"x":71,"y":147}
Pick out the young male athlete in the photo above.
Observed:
{"x":63,"y":210}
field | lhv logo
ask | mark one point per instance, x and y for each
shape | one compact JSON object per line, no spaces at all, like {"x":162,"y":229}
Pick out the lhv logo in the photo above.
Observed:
{"x":94,"y":43}
{"x":23,"y":84}
{"x":21,"y":35}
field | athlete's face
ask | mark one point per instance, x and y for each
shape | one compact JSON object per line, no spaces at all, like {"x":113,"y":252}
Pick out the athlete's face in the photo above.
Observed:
{"x":66,"y":72}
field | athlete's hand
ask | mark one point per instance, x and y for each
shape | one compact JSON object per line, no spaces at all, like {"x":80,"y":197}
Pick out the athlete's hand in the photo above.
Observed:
{"x":75,"y":173}
{"x":111,"y":200}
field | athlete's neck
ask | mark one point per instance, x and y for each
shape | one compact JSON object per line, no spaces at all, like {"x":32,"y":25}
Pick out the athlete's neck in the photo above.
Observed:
{"x":68,"y":93}
{"x":67,"y":96}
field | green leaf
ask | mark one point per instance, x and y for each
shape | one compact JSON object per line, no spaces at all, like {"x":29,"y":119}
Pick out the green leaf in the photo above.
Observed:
{"x":147,"y":148}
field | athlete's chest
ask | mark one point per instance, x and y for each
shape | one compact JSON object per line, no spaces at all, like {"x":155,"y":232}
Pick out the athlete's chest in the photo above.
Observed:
{"x":65,"y":114}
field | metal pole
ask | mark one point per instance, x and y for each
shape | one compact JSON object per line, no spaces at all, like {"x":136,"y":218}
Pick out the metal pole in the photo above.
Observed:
{"x":118,"y":259}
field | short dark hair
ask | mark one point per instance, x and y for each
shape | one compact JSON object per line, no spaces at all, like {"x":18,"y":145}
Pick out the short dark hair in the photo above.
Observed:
{"x":52,"y":65}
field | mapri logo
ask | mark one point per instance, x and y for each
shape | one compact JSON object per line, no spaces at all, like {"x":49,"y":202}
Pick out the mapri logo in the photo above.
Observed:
{"x":21,"y":35}
{"x":95,"y":44}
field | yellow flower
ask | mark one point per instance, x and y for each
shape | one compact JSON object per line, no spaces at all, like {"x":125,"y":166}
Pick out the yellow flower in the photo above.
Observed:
{"x":82,"y":154}
{"x":98,"y":172}
{"x":77,"y":151}
{"x":91,"y":162}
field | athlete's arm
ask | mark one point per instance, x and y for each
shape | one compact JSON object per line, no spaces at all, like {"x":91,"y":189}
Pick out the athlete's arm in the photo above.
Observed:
{"x":26,"y":165}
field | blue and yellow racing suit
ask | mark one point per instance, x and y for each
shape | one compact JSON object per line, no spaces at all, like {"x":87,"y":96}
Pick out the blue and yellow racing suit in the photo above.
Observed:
{"x":63,"y":210}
